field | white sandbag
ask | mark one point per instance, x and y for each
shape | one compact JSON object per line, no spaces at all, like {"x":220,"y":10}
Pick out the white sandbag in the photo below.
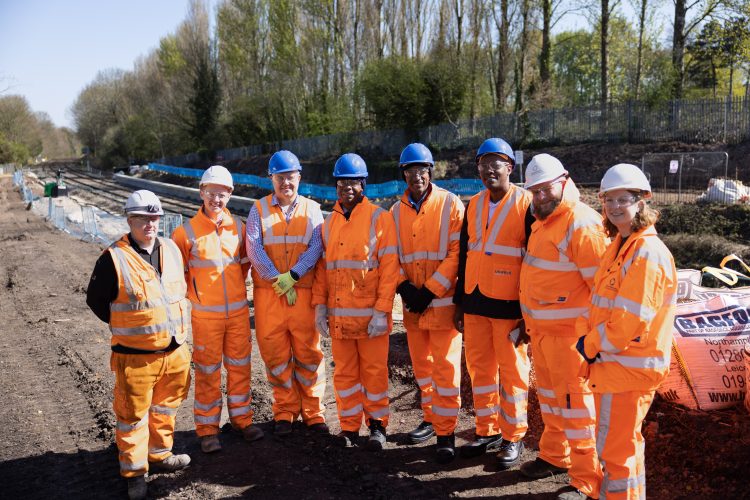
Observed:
{"x":726,"y":191}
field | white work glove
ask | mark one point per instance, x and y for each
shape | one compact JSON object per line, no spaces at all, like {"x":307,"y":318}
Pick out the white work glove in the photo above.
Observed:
{"x":321,"y":319}
{"x":378,"y":324}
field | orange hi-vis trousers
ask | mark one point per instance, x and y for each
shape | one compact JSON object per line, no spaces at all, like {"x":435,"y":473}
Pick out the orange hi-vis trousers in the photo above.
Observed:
{"x":360,"y":380}
{"x":215,"y":342}
{"x":567,"y":407}
{"x":620,"y":444}
{"x":148,"y":391}
{"x":499,"y":374}
{"x":436,"y":359}
{"x":290,"y":347}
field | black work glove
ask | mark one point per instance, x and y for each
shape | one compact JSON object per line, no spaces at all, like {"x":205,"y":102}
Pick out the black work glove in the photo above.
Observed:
{"x":519,"y":335}
{"x":409,"y":294}
{"x":580,"y":349}
{"x":424,"y":297}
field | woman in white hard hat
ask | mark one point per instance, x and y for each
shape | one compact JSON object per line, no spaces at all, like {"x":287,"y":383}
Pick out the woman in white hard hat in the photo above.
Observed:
{"x":627,"y":334}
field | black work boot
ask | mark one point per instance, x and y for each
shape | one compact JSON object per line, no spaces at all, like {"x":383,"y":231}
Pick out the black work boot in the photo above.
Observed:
{"x":445,"y":449}
{"x":137,"y":488}
{"x":539,"y":469}
{"x":377,"y":436}
{"x":347,"y":439}
{"x":480,"y":445}
{"x":509,"y":454}
{"x":422,"y":433}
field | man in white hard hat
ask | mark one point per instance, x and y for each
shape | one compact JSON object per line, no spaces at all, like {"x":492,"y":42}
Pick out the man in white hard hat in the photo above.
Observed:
{"x":563,"y":252}
{"x":213,"y":247}
{"x":138,"y":288}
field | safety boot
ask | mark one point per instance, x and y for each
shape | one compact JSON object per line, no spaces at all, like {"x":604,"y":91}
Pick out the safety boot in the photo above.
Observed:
{"x":319,"y":428}
{"x":171,"y":464}
{"x":252,"y":433}
{"x":377,"y":436}
{"x":422,"y":433}
{"x":570,"y":493}
{"x":347,"y":439}
{"x":282,"y":428}
{"x":445,"y":449}
{"x":480,"y":445}
{"x":509,"y":454}
{"x":137,"y":488}
{"x":539,"y":469}
{"x":210,"y":444}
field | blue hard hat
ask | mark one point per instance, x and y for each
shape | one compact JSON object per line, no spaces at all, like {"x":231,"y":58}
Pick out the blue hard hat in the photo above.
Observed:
{"x":283,"y":161}
{"x":350,"y":165}
{"x":415,"y":153}
{"x":498,"y":146}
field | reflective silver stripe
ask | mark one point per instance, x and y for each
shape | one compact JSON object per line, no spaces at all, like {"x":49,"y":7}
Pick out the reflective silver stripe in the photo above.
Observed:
{"x":644,"y":362}
{"x":606,"y":345}
{"x":119,"y":254}
{"x":380,"y":413}
{"x":235,"y":412}
{"x":206,"y":406}
{"x":357,"y":409}
{"x":444,"y":412}
{"x":266,"y":223}
{"x":446,"y":391}
{"x":562,"y":313}
{"x":387,"y":251}
{"x":424,"y":381}
{"x":348,"y":392}
{"x":426,"y":400}
{"x":233,"y":306}
{"x":237,"y":361}
{"x":587,"y":272}
{"x":279,"y":369}
{"x":375,"y":396}
{"x":622,"y":485}
{"x":545,"y":408}
{"x":124,"y":466}
{"x":514,"y":398}
{"x":486,"y":412}
{"x":163,"y":410}
{"x":519,"y":420}
{"x":454,"y":237}
{"x":207,"y":369}
{"x":304,"y":380}
{"x":478,"y":229}
{"x":213,"y":263}
{"x":442,"y":302}
{"x":212,"y":419}
{"x":287,"y":384}
{"x":636,"y":308}
{"x":140,"y":330}
{"x":281,"y":240}
{"x":547,"y":393}
{"x":327,"y":228}
{"x":357,"y":312}
{"x":441,"y":279}
{"x":137,"y":306}
{"x":123,"y":427}
{"x":655,"y":258}
{"x":373,"y":237}
{"x":158,"y":451}
{"x":352,"y":264}
{"x":310,"y":368}
{"x":580,"y":221}
{"x":605,"y":416}
{"x":603,"y":302}
{"x":549,"y":265}
{"x":585,"y":433}
{"x":238,"y":399}
{"x":484,"y":389}
{"x":445,"y":220}
{"x":577,"y":413}
{"x":490,"y":246}
{"x":421,"y":255}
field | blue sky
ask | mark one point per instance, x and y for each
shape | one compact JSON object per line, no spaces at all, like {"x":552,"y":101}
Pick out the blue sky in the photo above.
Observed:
{"x":51,"y":49}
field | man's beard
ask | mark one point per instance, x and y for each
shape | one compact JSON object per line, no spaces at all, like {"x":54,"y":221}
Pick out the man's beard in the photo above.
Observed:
{"x":550,"y":207}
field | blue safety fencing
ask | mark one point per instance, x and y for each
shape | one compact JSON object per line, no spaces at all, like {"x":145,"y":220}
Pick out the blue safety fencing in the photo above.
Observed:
{"x":388,"y":189}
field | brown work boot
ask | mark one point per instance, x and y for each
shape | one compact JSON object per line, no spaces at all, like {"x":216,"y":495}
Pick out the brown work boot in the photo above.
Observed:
{"x":210,"y":444}
{"x":252,"y":433}
{"x":171,"y":464}
{"x":137,"y":488}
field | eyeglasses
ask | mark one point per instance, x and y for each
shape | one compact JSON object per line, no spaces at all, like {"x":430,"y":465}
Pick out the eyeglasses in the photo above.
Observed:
{"x":493,"y":166}
{"x":145,"y":219}
{"x":342,"y":183}
{"x":546,"y":190}
{"x":221,"y":196}
{"x":285,"y":177}
{"x":622,"y":201}
{"x":416,"y":172}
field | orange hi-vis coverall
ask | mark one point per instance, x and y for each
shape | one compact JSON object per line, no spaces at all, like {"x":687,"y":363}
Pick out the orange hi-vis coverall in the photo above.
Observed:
{"x":499,"y":370}
{"x":287,"y":338}
{"x":429,"y":258}
{"x":628,"y":333}
{"x":358,"y":274}
{"x":149,"y":312}
{"x":563,"y":254}
{"x":216,"y":268}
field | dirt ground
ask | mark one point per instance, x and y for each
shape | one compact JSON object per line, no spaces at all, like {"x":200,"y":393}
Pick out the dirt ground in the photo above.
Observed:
{"x":57,"y":423}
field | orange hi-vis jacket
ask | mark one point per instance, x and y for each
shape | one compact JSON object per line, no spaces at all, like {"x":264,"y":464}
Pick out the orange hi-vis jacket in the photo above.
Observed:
{"x":359,"y":271}
{"x":631,"y":316}
{"x":428,"y":250}
{"x":216,"y":265}
{"x":149,"y":309}
{"x":284,"y":243}
{"x":496,"y":249}
{"x":562,"y":255}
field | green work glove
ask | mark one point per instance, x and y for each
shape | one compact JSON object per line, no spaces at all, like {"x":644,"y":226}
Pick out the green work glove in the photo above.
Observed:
{"x":283,"y":283}
{"x":291,"y":296}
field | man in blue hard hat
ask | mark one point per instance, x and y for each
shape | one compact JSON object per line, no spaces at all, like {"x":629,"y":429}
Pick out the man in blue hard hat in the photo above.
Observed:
{"x":284,"y":243}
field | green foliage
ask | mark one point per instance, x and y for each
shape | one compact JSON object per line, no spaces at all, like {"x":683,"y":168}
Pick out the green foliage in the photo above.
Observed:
{"x":204,"y":104}
{"x":726,"y":221}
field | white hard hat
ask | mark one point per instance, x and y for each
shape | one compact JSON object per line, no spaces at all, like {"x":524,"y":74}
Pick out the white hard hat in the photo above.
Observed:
{"x":143,"y":202}
{"x":543,"y":168}
{"x":624,"y":176}
{"x":217,"y":175}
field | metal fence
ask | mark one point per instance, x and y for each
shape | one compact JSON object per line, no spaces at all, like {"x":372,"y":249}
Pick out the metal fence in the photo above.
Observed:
{"x":692,"y":177}
{"x":693,"y":121}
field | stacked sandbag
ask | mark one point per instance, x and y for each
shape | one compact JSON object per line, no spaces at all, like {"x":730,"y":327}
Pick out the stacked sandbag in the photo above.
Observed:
{"x":727,"y":191}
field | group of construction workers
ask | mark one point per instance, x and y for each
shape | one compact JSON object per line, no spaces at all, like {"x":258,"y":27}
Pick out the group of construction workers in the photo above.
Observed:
{"x":519,"y":270}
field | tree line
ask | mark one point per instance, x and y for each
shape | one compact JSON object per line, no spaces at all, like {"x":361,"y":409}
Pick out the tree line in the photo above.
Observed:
{"x":277,"y":69}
